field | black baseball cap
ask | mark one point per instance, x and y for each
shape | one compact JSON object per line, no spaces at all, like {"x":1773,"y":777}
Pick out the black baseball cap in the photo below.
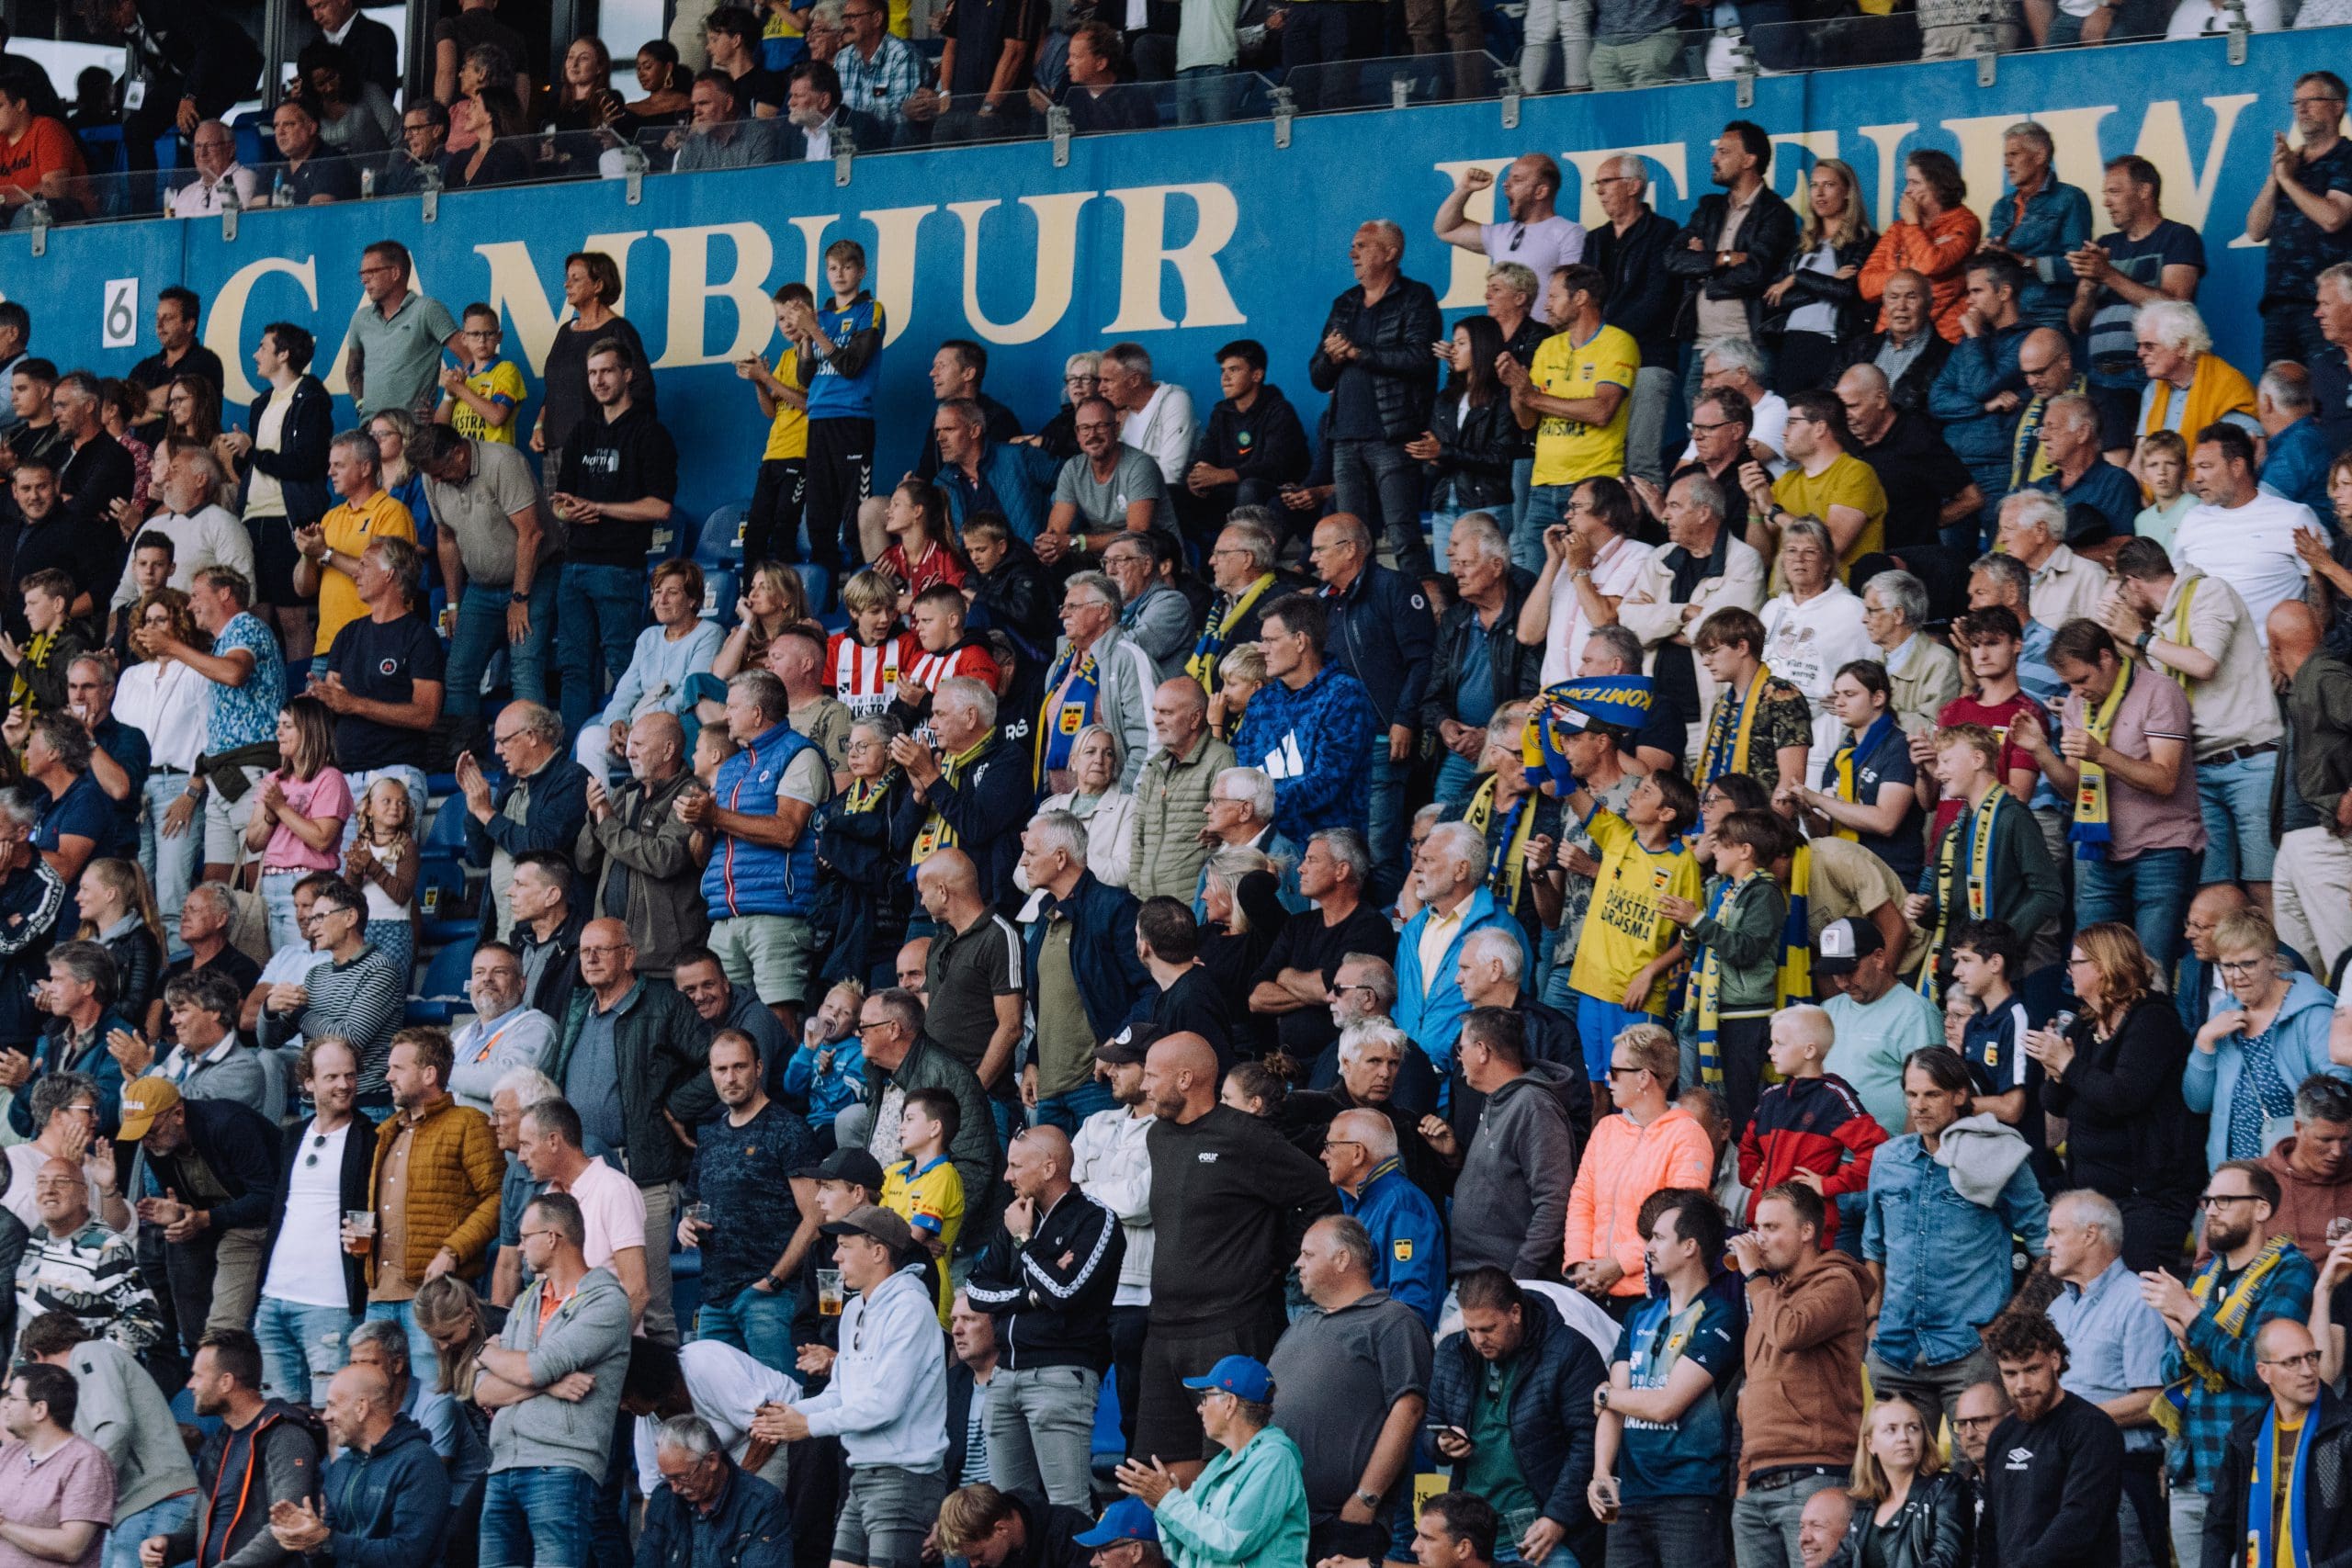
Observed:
{"x":1130,"y":1045}
{"x":1844,"y":943}
{"x":853,"y":1166}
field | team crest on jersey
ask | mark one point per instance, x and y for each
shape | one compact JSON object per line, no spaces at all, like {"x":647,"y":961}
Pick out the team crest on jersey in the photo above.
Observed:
{"x":1401,"y":1249}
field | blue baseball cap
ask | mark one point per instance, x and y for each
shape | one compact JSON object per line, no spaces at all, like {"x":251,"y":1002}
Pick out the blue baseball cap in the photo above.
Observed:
{"x":1129,"y":1519}
{"x":1240,"y":1377}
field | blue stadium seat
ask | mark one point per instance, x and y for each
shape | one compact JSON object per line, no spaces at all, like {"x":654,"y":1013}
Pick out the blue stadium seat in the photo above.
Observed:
{"x":817,"y":581}
{"x":671,"y":537}
{"x":721,"y":543}
{"x":440,"y":897}
{"x":445,"y":839}
{"x":443,"y":990}
{"x":721,"y":586}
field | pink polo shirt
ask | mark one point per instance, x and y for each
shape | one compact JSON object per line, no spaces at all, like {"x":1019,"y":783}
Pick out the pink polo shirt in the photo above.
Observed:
{"x":613,"y":1208}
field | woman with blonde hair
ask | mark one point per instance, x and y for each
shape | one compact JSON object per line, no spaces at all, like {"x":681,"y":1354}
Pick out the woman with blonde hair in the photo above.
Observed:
{"x":774,"y":598}
{"x":447,"y":1311}
{"x":1096,"y":761}
{"x":1923,"y":1518}
{"x":2114,"y":1071}
{"x":2248,"y":1060}
{"x":118,"y":913}
{"x":1081,"y":375}
{"x":298,"y":813}
{"x":1817,"y":304}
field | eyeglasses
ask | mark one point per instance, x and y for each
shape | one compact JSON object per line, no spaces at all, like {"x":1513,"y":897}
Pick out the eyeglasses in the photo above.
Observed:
{"x":1616,"y":1072}
{"x":878,"y":1023}
{"x":2217,"y":1200}
{"x":2316,"y":100}
{"x":1971,"y":1423}
{"x":2241,"y":965}
{"x":2307,"y":1362}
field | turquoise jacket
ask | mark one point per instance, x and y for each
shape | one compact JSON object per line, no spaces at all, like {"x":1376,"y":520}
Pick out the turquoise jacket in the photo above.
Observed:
{"x":1248,"y":1510}
{"x":2297,"y":1044}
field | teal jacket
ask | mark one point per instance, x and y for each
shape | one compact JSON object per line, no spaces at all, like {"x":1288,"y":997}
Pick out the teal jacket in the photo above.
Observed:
{"x":2298,"y":1050}
{"x":1247,"y":1510}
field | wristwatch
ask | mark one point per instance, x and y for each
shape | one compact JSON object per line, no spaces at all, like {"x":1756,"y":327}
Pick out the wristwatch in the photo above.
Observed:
{"x":518,"y":598}
{"x":1369,"y":1499}
{"x":2143,"y":639}
{"x":1601,"y":1397}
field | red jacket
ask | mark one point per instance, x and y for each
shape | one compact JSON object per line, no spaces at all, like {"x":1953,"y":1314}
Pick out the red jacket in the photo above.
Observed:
{"x":1816,"y":1125}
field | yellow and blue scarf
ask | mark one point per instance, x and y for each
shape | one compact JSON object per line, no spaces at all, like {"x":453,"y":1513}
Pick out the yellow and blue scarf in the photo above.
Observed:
{"x":2180,"y":621}
{"x":1729,"y":729}
{"x":1850,"y":753}
{"x":2091,"y":831}
{"x":1796,"y":934}
{"x":1507,"y":859}
{"x":1709,"y":1005}
{"x":1976,"y":889}
{"x":36,"y":652}
{"x":937,"y":833}
{"x":2262,"y":1500}
{"x":1066,"y":711}
{"x":2170,"y":1406}
{"x":1202,"y":666}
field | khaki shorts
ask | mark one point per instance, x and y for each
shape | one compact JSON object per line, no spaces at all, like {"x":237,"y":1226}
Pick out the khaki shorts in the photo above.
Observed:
{"x":769,"y":953}
{"x":224,"y":823}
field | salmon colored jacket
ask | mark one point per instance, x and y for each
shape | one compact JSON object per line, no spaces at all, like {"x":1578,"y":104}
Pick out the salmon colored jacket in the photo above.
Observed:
{"x":1937,"y":251}
{"x":1624,"y":1164}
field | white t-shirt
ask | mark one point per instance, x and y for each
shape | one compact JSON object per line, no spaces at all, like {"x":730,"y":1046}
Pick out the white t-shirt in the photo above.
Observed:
{"x":2251,"y":548}
{"x":1613,"y":572}
{"x":211,"y":538}
{"x":306,"y":1266}
{"x":728,"y":1388}
{"x":1818,"y":317}
{"x":1543,"y":247}
{"x":1805,"y":644}
{"x":2200,"y":18}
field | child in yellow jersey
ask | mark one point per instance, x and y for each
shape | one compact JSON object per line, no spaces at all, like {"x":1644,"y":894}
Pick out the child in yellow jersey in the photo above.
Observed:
{"x":923,"y":1188}
{"x":480,"y":399}
{"x":1628,"y":949}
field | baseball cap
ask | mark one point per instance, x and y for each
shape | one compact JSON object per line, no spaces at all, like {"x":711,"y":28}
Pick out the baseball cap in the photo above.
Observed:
{"x":853,"y":1166}
{"x":1129,"y":1519}
{"x":1240,"y":1377}
{"x":143,"y":1100}
{"x":1844,"y":943}
{"x":1130,"y":1045}
{"x":881,"y":1223}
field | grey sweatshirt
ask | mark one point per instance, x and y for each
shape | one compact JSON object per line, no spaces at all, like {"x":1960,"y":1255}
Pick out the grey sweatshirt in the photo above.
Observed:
{"x":588,"y":1333}
{"x":121,"y":1410}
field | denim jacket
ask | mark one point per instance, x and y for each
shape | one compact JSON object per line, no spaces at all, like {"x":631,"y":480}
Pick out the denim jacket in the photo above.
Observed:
{"x":2055,"y":222}
{"x":1947,"y":1260}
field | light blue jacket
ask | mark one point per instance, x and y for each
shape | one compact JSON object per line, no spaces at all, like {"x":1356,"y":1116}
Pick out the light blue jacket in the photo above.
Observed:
{"x":1247,"y":1510}
{"x":658,"y":665}
{"x":2297,"y":1043}
{"x":1430,"y":1007}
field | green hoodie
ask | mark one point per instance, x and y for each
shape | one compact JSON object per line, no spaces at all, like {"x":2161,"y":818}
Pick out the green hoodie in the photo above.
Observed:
{"x":1247,"y":1510}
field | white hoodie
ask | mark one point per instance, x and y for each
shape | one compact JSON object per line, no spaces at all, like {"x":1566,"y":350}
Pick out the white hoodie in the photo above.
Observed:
{"x":887,"y":1401}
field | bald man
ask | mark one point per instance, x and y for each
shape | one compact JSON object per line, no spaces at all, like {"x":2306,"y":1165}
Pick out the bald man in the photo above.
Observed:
{"x":1360,"y":1154}
{"x":1047,"y":1276}
{"x":2314,"y":812}
{"x":971,"y":977}
{"x":634,"y":838}
{"x":634,"y":1061}
{"x":1231,"y":1198}
{"x":1173,"y":792}
{"x":386,"y":1486}
{"x":2241,"y":1523}
{"x":2201,"y":993}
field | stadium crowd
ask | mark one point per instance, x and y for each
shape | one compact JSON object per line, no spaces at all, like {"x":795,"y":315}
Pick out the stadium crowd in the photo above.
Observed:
{"x":1162,"y":975}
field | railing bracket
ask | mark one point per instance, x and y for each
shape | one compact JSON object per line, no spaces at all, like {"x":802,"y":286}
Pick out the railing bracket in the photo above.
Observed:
{"x":845,"y":155}
{"x":2240,"y":29}
{"x":230,"y":209}
{"x":633,"y":167}
{"x":1285,"y":108}
{"x":1743,"y":69}
{"x":428,"y":185}
{"x":37,"y":212}
{"x":1057,"y":130}
{"x":1506,"y":79}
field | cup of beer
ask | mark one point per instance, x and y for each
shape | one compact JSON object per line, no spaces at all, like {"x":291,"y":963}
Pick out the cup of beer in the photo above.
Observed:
{"x":829,"y":1292}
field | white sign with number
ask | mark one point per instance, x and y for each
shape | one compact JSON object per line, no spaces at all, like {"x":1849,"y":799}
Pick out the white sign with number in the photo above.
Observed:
{"x":120,"y":327}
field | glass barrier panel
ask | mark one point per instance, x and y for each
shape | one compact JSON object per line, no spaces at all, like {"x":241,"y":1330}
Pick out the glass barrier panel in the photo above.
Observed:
{"x":1393,"y":82}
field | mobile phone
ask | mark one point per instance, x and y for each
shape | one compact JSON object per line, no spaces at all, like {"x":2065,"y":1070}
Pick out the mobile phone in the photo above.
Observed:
{"x":1439,"y":1429}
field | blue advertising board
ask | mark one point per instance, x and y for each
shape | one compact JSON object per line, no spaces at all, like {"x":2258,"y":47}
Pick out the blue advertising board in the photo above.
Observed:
{"x":1181,"y":239}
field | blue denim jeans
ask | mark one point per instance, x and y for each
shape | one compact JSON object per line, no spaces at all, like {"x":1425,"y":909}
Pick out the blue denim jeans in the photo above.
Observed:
{"x":159,"y":1518}
{"x":278,"y":898}
{"x":302,"y":1347}
{"x":541,"y":1515}
{"x":2235,"y":798}
{"x":2150,"y":893}
{"x":1547,"y":505}
{"x":758,"y":1326}
{"x":1455,"y":777}
{"x":1067,"y":1111}
{"x":604,"y":609}
{"x":170,"y":863}
{"x":481,"y":632}
{"x":423,"y":1354}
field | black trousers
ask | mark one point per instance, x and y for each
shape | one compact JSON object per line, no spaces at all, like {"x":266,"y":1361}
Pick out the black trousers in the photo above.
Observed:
{"x":841,"y":476}
{"x":772,"y":526}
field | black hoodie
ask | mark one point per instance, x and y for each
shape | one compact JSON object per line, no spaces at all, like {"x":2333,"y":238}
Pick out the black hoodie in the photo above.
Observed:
{"x":1267,"y":442}
{"x":1231,"y":1198}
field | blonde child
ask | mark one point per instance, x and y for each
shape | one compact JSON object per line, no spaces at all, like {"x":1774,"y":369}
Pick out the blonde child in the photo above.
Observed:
{"x":382,"y":862}
{"x":862,"y":664}
{"x":923,"y":1188}
{"x":1239,"y":674}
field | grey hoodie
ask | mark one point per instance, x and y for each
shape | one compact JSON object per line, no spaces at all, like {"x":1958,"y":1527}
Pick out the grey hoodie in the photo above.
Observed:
{"x":1511,"y":1203}
{"x":122,"y":1411}
{"x":588,"y":1333}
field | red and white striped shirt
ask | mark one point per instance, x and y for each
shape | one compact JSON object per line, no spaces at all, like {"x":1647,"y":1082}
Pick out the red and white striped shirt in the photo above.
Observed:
{"x":864,"y":679}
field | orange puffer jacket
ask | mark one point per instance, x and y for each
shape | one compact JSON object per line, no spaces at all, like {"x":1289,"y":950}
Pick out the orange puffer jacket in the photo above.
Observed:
{"x":454,"y":1171}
